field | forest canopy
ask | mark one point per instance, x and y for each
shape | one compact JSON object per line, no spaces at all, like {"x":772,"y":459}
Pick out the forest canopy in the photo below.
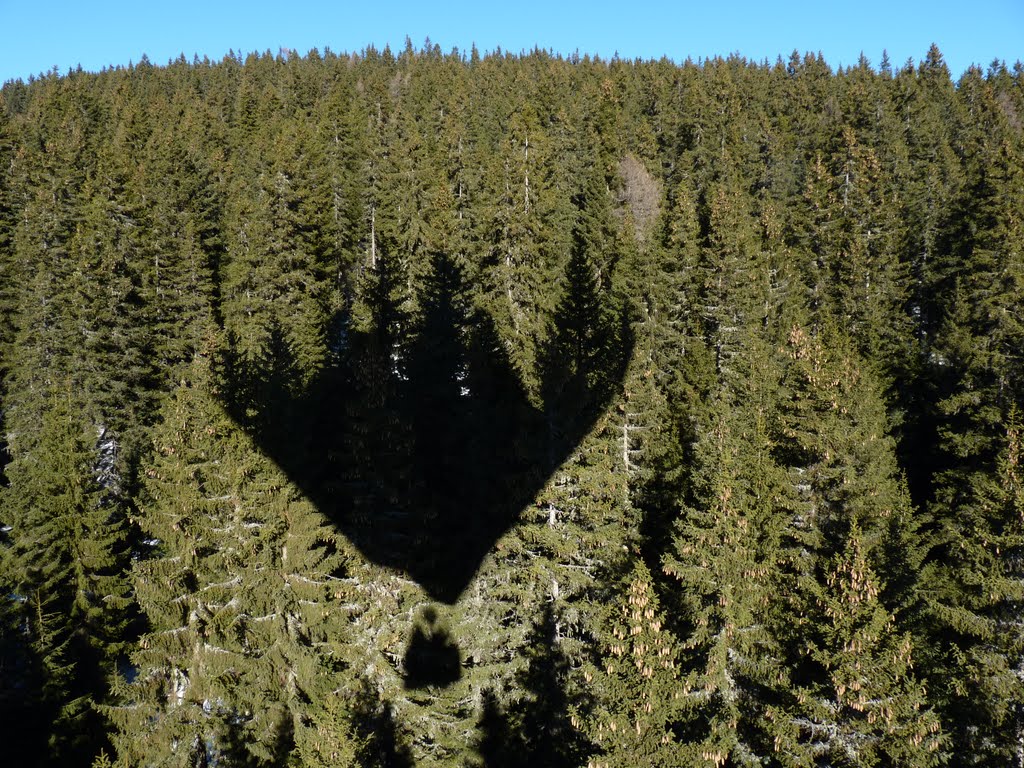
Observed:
{"x":496,"y":410}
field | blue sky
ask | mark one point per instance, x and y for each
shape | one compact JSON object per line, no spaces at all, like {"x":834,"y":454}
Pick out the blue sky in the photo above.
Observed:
{"x":38,"y":36}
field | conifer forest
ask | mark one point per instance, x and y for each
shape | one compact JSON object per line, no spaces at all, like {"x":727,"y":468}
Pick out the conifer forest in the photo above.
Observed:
{"x":411,"y":408}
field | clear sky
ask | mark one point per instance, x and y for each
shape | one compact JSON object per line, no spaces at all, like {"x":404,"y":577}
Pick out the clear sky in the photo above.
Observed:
{"x":40,"y":34}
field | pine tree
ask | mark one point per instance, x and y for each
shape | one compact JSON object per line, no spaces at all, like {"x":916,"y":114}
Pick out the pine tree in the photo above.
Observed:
{"x":70,"y":544}
{"x":637,"y":680}
{"x":280,"y":254}
{"x":864,"y":707}
{"x":856,"y":696}
{"x":581,"y":361}
{"x":730,"y":663}
{"x":240,"y":593}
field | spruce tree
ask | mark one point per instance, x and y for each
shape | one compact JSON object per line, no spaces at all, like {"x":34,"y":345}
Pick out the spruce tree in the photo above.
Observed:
{"x":637,"y":681}
{"x":240,"y":593}
{"x":977,"y":379}
{"x":856,"y":274}
{"x":580,"y":361}
{"x":974,"y":603}
{"x":468,"y":336}
{"x":111,"y":357}
{"x":280,"y":253}
{"x":864,"y":705}
{"x":69,"y":541}
{"x":848,"y":632}
{"x":731,"y":672}
{"x":184,"y":236}
{"x":539,"y":724}
{"x":9,"y":205}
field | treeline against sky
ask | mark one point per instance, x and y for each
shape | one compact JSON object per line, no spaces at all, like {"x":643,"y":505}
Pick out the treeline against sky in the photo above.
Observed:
{"x":447,"y":409}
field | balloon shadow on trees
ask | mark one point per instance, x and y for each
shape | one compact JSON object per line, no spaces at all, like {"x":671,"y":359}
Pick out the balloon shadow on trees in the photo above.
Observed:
{"x":419,"y":439}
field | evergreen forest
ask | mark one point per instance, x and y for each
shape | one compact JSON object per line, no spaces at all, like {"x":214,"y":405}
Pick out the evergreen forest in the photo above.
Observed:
{"x":411,"y":408}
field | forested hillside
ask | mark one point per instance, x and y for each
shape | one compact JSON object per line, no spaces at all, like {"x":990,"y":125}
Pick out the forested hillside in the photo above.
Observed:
{"x":512,"y":410}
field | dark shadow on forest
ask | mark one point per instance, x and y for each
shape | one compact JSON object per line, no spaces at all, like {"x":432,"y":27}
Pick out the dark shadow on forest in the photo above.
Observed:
{"x":420,"y":443}
{"x":425,"y":466}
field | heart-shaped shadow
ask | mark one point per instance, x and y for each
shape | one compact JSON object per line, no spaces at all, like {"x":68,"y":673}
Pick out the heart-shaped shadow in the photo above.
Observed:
{"x":422,"y":444}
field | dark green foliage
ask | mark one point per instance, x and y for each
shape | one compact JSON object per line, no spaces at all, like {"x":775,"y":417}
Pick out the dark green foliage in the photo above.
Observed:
{"x":581,"y":362}
{"x":8,"y":223}
{"x":65,"y":566}
{"x":353,"y":728}
{"x":859,"y":703}
{"x":280,"y":255}
{"x":438,"y":375}
{"x":731,"y":670}
{"x":411,"y":407}
{"x":857,"y":697}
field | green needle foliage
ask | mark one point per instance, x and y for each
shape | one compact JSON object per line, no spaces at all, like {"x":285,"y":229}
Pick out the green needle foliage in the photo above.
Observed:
{"x":407,"y":407}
